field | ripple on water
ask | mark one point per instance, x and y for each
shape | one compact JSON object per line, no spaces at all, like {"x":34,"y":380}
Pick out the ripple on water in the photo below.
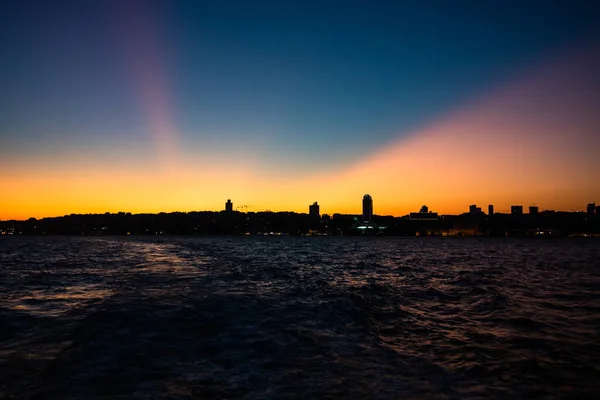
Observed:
{"x":270,"y":317}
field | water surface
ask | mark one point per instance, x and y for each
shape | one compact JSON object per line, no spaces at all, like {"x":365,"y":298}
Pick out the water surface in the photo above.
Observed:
{"x":284,"y":317}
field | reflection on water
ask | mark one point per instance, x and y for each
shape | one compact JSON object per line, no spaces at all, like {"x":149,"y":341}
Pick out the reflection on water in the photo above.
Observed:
{"x":50,"y":301}
{"x":300,"y":317}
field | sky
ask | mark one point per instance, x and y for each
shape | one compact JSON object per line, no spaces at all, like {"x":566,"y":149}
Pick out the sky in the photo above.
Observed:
{"x":150,"y":106}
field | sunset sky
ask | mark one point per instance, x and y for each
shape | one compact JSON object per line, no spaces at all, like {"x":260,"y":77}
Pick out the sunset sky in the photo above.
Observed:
{"x":149,"y":106}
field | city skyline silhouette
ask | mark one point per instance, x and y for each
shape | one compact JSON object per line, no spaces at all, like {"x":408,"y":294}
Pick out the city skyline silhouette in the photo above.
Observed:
{"x":230,"y":221}
{"x":367,"y":210}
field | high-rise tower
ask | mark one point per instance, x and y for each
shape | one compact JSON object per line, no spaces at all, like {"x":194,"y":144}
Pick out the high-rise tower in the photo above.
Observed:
{"x":367,"y":208}
{"x":313,"y":210}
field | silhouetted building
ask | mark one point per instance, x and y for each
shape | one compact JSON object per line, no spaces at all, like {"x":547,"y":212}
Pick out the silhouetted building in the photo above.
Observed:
{"x":229,"y":206}
{"x":516,"y":210}
{"x":534,"y":210}
{"x":491,"y":209}
{"x":591,"y":208}
{"x":313,"y":210}
{"x":367,"y":208}
{"x":474,"y":210}
{"x":598,"y":210}
{"x":423,"y":215}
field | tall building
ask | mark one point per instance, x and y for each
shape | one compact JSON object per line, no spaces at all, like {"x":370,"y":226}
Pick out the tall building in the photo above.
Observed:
{"x":516,"y":210}
{"x":491,"y":209}
{"x":474,"y":210}
{"x":313,"y":210}
{"x":367,"y":208}
{"x":534,"y":210}
{"x":591,"y":208}
{"x":229,"y":206}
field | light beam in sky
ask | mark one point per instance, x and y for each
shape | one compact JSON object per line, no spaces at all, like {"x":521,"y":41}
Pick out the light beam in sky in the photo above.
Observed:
{"x":534,"y":140}
{"x":145,"y":58}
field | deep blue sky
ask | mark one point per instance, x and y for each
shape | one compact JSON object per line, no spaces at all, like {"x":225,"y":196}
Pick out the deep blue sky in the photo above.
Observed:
{"x":311,"y":83}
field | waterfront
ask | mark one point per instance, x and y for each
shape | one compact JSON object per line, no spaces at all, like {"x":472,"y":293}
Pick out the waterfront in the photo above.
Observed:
{"x":293,"y":317}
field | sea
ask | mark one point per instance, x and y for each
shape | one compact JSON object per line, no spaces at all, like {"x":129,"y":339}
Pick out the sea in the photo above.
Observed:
{"x":299,"y":318}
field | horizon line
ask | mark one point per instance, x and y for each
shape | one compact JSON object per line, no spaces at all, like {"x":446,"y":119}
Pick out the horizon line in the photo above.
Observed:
{"x":499,"y":212}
